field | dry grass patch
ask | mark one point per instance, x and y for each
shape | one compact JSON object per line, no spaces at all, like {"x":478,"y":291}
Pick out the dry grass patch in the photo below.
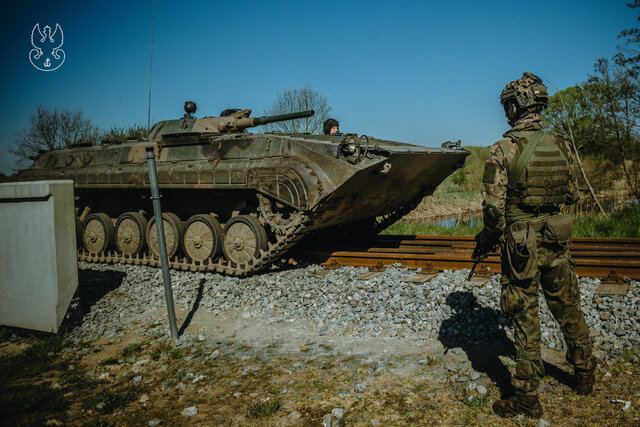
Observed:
{"x":446,"y":204}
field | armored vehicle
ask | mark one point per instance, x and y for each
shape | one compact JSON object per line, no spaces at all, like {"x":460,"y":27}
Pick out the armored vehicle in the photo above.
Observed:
{"x":234,"y":201}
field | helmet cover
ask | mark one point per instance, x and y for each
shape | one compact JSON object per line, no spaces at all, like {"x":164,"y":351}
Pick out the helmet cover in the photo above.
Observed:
{"x":527,"y":94}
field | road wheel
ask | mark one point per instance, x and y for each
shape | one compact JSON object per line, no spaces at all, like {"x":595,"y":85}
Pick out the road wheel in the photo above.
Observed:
{"x":172,"y":235}
{"x":131,"y":229}
{"x":243,"y":239}
{"x":202,"y":238}
{"x":98,"y":235}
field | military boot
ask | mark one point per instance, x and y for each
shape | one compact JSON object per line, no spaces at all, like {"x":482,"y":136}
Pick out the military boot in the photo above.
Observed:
{"x":518,"y":404}
{"x":585,"y":382}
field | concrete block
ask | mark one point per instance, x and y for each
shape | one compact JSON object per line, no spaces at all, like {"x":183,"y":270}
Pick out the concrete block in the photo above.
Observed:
{"x":38,"y":257}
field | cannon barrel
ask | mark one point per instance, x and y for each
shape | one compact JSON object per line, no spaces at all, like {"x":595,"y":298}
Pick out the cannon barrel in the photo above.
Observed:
{"x":257,"y":121}
{"x":235,"y":124}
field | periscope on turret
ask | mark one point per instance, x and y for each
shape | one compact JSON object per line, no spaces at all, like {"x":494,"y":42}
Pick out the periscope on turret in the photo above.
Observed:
{"x":235,"y":201}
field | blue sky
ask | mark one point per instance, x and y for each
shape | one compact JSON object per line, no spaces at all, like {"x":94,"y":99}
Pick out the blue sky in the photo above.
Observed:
{"x":415,"y":71}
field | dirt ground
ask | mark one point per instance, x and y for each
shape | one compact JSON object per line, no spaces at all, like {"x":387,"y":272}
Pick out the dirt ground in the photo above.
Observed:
{"x":235,"y":369}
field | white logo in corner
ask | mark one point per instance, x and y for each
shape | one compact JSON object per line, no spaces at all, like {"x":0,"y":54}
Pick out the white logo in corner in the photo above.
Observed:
{"x":46,"y":54}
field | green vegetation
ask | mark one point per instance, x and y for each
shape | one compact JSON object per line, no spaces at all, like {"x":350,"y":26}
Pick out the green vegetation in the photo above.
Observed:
{"x":621,"y":223}
{"x":122,"y":134}
{"x":160,"y":349}
{"x":433,"y":229}
{"x":34,"y":359}
{"x":32,"y":399}
{"x":109,"y":399}
{"x":109,"y":361}
{"x":132,"y":349}
{"x":176,"y":353}
{"x":5,"y":334}
{"x":602,"y":114}
{"x":468,"y":178}
{"x":477,"y":402}
{"x":264,"y":409}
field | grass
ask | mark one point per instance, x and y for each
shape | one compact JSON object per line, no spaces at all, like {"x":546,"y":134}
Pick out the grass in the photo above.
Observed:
{"x":132,"y":349}
{"x":624,"y":222}
{"x":35,"y":358}
{"x":470,"y":176}
{"x":176,"y":353}
{"x":477,"y":402}
{"x":109,"y":361}
{"x":75,"y":398}
{"x":402,"y":227}
{"x":264,"y":409}
{"x":159,"y":349}
{"x":441,"y":204}
{"x":31,"y":399}
{"x":107,"y":399}
{"x":5,"y":334}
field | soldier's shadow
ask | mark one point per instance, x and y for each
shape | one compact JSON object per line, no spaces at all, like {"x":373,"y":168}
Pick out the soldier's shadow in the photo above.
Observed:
{"x":479,"y":332}
{"x":476,"y":330}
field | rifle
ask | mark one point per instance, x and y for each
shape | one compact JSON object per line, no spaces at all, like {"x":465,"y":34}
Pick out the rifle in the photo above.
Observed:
{"x":476,"y":259}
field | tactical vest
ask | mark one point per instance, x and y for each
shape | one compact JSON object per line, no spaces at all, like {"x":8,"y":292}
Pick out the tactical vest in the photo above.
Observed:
{"x":543,"y":183}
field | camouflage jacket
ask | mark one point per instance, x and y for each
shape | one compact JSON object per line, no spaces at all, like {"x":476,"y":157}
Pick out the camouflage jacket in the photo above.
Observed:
{"x":500,"y":160}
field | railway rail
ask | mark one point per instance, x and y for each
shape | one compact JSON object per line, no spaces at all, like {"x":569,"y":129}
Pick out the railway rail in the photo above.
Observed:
{"x":612,"y":259}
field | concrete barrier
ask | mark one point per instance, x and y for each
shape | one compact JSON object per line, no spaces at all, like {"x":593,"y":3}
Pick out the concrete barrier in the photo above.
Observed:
{"x":38,"y":261}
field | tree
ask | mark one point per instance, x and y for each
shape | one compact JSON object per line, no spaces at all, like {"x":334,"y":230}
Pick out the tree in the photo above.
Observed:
{"x":629,"y":53}
{"x":122,"y":134}
{"x":51,"y":130}
{"x":295,"y":100}
{"x":571,"y":109}
{"x":620,"y":90}
{"x":601,"y":116}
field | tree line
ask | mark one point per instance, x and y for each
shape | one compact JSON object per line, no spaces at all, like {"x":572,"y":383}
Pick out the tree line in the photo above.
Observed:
{"x":602,"y":114}
{"x":53,"y":129}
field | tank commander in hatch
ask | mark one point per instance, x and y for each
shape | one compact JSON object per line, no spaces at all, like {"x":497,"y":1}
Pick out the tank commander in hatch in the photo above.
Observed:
{"x":331,"y":127}
{"x":527,"y":176}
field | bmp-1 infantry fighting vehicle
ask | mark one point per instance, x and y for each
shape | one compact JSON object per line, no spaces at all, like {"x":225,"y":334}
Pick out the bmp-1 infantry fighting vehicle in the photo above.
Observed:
{"x":235,"y":201}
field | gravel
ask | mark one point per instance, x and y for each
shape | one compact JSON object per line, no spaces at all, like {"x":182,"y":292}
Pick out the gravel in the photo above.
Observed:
{"x":447,"y":308}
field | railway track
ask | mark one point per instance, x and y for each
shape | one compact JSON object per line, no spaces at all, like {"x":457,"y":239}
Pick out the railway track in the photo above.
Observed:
{"x":610,"y":258}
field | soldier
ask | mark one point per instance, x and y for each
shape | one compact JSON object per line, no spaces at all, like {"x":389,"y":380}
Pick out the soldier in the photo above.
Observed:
{"x":331,"y":127}
{"x":528,"y":175}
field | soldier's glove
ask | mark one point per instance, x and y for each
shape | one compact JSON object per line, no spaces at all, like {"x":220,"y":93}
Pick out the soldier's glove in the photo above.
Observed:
{"x":485,"y":242}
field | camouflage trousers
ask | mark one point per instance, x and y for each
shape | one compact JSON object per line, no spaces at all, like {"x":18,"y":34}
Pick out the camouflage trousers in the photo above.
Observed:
{"x":519,"y":300}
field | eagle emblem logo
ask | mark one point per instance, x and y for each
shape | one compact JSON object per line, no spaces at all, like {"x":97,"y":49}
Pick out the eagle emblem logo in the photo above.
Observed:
{"x":46,"y":54}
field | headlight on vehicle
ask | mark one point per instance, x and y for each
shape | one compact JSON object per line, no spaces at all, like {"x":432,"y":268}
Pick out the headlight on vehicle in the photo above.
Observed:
{"x":348,"y":147}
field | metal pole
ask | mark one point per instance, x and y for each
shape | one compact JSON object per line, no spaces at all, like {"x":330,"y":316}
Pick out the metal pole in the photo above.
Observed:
{"x":153,"y":20}
{"x":164,"y":260}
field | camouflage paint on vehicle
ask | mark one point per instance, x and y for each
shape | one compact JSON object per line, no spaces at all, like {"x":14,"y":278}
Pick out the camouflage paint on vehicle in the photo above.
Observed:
{"x":212,"y":165}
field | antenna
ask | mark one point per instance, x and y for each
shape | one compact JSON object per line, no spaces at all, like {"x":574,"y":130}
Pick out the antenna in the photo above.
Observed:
{"x":153,"y":20}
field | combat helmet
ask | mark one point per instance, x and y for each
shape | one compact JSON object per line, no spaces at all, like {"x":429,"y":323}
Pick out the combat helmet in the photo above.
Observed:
{"x":523,"y":96}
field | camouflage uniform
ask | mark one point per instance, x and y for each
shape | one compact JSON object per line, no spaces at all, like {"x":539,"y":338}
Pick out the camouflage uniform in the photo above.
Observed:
{"x":553,"y":270}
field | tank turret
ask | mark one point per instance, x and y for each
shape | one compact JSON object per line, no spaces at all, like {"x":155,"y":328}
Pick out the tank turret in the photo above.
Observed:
{"x":172,"y":131}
